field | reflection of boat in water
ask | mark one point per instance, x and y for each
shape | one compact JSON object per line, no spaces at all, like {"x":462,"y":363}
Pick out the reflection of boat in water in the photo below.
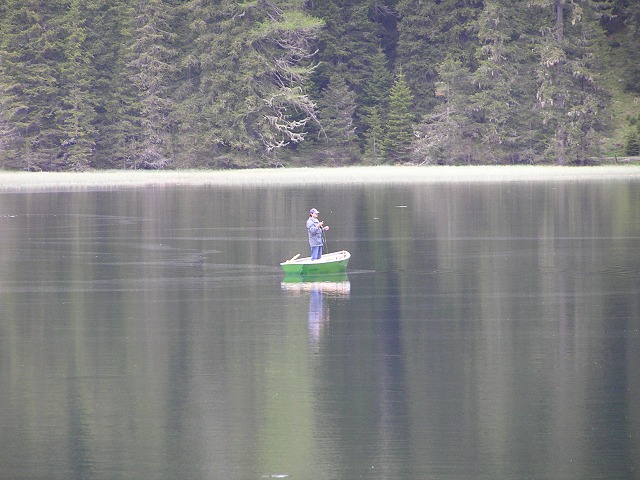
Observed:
{"x":335,"y":285}
{"x":329,"y":263}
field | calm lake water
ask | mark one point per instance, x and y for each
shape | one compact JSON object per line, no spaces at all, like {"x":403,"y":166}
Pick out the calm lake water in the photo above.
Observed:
{"x":483,"y":331}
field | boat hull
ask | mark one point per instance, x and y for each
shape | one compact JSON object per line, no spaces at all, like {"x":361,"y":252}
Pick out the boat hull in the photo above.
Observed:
{"x":329,"y":263}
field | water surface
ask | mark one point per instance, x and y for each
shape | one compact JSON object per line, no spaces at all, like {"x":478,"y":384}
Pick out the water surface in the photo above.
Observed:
{"x":483,"y":330}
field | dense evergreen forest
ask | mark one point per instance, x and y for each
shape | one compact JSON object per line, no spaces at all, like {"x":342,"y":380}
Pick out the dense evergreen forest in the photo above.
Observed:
{"x":257,"y":83}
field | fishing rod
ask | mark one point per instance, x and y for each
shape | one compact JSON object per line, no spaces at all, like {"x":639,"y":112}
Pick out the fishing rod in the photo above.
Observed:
{"x":324,"y":240}
{"x":324,"y":235}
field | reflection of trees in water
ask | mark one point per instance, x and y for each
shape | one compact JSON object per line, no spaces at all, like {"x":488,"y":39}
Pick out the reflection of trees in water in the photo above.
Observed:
{"x":359,"y":378}
{"x":393,"y":429}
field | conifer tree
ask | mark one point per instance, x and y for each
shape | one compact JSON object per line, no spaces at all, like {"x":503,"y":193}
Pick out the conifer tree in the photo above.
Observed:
{"x":631,"y":11}
{"x":350,"y":45}
{"x":632,"y":146}
{"x":282,"y":43}
{"x":400,"y":121}
{"x":110,"y":34}
{"x":337,"y":107}
{"x":501,"y":105}
{"x":77,"y":112}
{"x":30,"y":52}
{"x":375,"y":135}
{"x":151,"y":64}
{"x":569,"y":92}
{"x":373,"y":102}
{"x":49,"y":93}
{"x":7,"y":131}
{"x":446,"y":134}
{"x":378,"y":82}
{"x":349,"y":40}
{"x":249,"y":70}
{"x":429,"y":32}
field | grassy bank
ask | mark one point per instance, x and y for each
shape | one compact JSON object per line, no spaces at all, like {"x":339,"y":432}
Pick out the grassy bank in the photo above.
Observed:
{"x":27,"y":181}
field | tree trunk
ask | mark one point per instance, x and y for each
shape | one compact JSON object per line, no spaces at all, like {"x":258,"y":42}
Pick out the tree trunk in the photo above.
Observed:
{"x":560,"y":21}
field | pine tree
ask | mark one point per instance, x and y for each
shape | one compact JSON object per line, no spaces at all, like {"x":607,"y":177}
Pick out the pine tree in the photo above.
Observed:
{"x":249,"y":71}
{"x":373,"y":102}
{"x":350,"y":45}
{"x":446,"y":135}
{"x":49,"y":89}
{"x":630,"y":11}
{"x":633,"y":144}
{"x":349,"y":41}
{"x":77,"y":112}
{"x":30,"y":55}
{"x":7,"y":131}
{"x":282,"y":42}
{"x":337,"y":107}
{"x":429,"y":33}
{"x":501,"y":105}
{"x":569,"y":93}
{"x":400,"y":121}
{"x":375,"y":136}
{"x":151,"y":64}
{"x":110,"y":33}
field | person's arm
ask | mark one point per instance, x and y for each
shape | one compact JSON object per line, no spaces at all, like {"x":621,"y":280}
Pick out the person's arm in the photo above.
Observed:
{"x":314,"y":227}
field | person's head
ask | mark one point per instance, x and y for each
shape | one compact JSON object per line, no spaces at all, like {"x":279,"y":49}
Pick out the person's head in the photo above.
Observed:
{"x":313,"y":212}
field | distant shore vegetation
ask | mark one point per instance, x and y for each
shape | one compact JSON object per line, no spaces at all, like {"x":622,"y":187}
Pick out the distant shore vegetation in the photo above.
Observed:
{"x":23,"y":181}
{"x":209,"y":84}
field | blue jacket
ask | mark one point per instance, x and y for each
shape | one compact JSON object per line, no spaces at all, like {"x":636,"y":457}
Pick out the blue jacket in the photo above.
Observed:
{"x":315,"y":232}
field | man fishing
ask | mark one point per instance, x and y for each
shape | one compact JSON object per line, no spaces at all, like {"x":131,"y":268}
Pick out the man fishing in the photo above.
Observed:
{"x":315,"y":229}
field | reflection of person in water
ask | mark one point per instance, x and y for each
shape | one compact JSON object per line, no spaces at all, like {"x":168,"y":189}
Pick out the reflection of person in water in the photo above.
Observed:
{"x":316,"y":314}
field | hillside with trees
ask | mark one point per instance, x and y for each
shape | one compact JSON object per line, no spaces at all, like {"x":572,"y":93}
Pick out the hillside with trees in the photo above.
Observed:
{"x":103,"y":84}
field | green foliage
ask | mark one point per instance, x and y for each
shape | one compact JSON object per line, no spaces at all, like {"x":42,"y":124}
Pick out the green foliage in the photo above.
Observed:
{"x":445,"y":135}
{"x":429,"y":33}
{"x":570,"y":94}
{"x":375,"y":135}
{"x":212,"y":83}
{"x":351,"y":46}
{"x":373,"y":101}
{"x":289,"y":21}
{"x":633,"y":144}
{"x":400,"y":120}
{"x":77,"y":113}
{"x":151,"y":57}
{"x":245,"y":79}
{"x":629,"y":11}
{"x":337,"y":105}
{"x":30,"y":82}
{"x":501,"y":108}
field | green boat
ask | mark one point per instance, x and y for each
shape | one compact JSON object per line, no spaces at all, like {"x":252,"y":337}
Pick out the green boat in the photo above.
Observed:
{"x":329,"y":263}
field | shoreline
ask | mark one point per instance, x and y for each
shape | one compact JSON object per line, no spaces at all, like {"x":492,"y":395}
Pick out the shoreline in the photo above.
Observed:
{"x":357,"y":175}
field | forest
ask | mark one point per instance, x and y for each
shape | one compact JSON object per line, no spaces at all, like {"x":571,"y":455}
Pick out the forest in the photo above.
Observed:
{"x":175,"y":84}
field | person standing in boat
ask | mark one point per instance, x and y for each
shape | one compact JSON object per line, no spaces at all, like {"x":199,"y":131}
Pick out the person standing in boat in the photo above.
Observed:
{"x":315,"y":229}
